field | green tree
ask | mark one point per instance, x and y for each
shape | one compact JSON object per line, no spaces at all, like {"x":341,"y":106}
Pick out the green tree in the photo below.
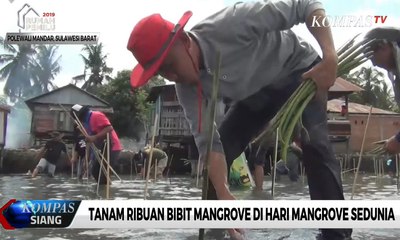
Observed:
{"x":376,"y":91}
{"x":130,"y":107}
{"x":46,"y":67}
{"x":16,"y":69}
{"x":95,"y":62}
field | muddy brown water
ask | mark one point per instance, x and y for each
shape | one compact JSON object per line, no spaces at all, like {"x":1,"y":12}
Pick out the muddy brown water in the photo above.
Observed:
{"x":179,"y":187}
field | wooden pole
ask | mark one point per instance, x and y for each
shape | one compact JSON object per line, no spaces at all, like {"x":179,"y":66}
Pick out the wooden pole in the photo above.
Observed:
{"x":169,"y":165}
{"x":198,"y":172}
{"x":87,"y":162}
{"x":132,"y":167}
{"x":72,"y":170}
{"x":108,"y":167}
{"x":100,"y":169}
{"x":397,"y":171}
{"x":275,"y":160}
{"x":145,"y":162}
{"x":210,"y":134}
{"x":155,"y":170}
{"x":270,"y":164}
{"x":150,"y":155}
{"x":361,"y":152}
{"x":133,"y":162}
{"x":72,"y":163}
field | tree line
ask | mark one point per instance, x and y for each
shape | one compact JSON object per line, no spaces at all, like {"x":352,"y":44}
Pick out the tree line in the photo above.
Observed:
{"x":30,"y":70}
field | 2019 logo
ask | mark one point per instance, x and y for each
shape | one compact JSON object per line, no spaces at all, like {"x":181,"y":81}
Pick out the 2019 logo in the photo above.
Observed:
{"x":30,"y":20}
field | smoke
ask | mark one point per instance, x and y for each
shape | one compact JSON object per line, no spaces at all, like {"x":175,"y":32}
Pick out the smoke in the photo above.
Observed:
{"x":131,"y":144}
{"x":18,"y":127}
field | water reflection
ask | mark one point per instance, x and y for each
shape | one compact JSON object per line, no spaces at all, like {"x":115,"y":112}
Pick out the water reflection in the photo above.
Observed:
{"x":63,"y":187}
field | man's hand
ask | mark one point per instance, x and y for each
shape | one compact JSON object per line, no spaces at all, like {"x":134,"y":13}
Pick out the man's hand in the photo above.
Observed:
{"x":323,"y":74}
{"x":218,"y":175}
{"x":392,"y":146}
{"x":91,"y":138}
{"x":236,"y":234}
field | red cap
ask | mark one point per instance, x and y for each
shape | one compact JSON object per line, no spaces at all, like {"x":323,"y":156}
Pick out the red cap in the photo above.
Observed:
{"x":150,"y":41}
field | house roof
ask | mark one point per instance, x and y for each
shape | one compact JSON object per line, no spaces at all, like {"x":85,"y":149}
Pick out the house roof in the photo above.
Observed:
{"x":335,"y":105}
{"x":68,"y":95}
{"x":156,"y":91}
{"x":342,"y":85}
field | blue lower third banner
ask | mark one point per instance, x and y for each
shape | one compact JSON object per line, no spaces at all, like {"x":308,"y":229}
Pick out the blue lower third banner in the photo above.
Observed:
{"x":258,"y":214}
{"x":38,"y":213}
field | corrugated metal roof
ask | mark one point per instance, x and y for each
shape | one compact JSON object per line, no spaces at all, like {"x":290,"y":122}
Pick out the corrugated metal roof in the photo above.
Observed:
{"x":68,"y":95}
{"x":335,"y":105}
{"x":342,"y":85}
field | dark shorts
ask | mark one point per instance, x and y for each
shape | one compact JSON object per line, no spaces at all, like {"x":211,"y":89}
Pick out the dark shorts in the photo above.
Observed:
{"x":256,"y":156}
{"x":114,"y":156}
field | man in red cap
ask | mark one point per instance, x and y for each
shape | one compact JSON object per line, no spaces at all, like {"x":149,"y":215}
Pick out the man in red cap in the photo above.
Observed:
{"x":263,"y":62}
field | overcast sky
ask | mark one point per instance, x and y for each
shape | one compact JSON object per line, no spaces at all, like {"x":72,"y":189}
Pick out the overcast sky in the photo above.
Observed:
{"x":114,"y":20}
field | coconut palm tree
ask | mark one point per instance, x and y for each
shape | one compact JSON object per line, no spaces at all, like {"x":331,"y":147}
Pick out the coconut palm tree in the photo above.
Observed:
{"x":46,"y":67}
{"x":16,"y":66}
{"x":376,"y":91}
{"x":95,"y":62}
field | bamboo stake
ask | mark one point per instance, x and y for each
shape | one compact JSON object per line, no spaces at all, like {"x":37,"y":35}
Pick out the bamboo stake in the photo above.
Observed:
{"x":87,"y":162}
{"x":133,"y":162}
{"x":270,"y":165}
{"x":210,"y":133}
{"x":304,"y":173}
{"x":342,"y":168}
{"x":72,"y":163}
{"x":348,"y":170}
{"x":397,"y":171}
{"x":108,"y":167}
{"x":132,"y":168}
{"x":101,"y":166}
{"x":155,"y":170}
{"x":275,"y":160}
{"x":361,"y":152}
{"x":145,"y":162}
{"x":198,"y":172}
{"x":169,"y":165}
{"x":379,"y":167}
{"x":150,"y":155}
{"x":135,"y":165}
